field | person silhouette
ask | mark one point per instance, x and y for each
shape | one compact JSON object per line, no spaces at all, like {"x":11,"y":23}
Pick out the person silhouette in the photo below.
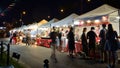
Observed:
{"x":84,"y":42}
{"x":46,"y":63}
{"x":91,"y":35}
{"x":71,"y":42}
{"x":111,"y":48}
{"x":102,"y":35}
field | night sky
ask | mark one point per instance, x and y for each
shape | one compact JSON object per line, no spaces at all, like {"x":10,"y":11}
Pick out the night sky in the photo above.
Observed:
{"x":36,"y":10}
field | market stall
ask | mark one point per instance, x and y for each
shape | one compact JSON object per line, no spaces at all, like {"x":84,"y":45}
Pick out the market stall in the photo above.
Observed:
{"x":43,"y":42}
{"x":66,"y":21}
{"x":103,"y":14}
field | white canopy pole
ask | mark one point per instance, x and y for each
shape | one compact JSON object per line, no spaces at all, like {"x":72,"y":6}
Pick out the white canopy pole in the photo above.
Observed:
{"x":119,"y":20}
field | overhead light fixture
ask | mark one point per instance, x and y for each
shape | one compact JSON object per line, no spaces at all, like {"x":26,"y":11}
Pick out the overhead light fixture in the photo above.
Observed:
{"x":118,"y":17}
{"x":88,"y":21}
{"x":76,"y":22}
{"x":88,"y":1}
{"x":62,"y":10}
{"x":97,"y":21}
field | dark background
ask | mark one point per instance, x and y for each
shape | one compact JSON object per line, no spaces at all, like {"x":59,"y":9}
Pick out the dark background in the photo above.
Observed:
{"x":36,"y":10}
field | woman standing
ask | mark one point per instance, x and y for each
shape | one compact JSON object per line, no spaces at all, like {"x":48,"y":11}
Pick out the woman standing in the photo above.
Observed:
{"x":111,"y":37}
{"x":84,"y":41}
{"x":71,"y":42}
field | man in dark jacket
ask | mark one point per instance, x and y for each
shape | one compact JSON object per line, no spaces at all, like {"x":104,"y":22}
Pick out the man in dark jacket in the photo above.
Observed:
{"x":91,"y":35}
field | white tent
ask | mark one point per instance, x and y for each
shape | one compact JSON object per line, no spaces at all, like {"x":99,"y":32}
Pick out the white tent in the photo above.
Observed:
{"x":105,"y":9}
{"x":19,"y":28}
{"x":102,"y":10}
{"x":22,"y":28}
{"x":48,"y":24}
{"x":66,"y":21}
{"x":46,"y":27}
{"x":36,"y":25}
{"x":32,"y":26}
{"x":42,"y":22}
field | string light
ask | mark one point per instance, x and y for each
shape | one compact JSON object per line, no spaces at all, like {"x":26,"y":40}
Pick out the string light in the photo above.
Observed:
{"x":88,"y":21}
{"x":62,"y":10}
{"x":88,"y":0}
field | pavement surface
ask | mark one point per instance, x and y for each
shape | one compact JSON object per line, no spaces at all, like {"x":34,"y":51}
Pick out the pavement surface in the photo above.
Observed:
{"x":33,"y":57}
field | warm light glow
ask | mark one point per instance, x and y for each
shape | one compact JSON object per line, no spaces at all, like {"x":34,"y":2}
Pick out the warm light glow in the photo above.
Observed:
{"x":118,"y":17}
{"x":65,"y":25}
{"x":88,"y":0}
{"x":97,"y":21}
{"x":20,"y":19}
{"x":57,"y":26}
{"x":104,"y":18}
{"x":81,"y":22}
{"x":88,"y":21}
{"x":48,"y":16}
{"x":76,"y":22}
{"x":72,"y":25}
{"x":23,"y":12}
{"x":61,"y":10}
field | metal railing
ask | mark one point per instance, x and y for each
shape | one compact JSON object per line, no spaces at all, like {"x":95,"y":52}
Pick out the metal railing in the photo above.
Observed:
{"x":7,"y":51}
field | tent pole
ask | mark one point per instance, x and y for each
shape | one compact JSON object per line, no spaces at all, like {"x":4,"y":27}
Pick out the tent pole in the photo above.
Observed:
{"x":119,"y":20}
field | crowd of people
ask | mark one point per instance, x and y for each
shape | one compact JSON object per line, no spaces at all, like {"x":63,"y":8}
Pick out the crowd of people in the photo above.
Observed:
{"x":107,"y":45}
{"x":63,"y":43}
{"x":19,"y":37}
{"x":66,"y":38}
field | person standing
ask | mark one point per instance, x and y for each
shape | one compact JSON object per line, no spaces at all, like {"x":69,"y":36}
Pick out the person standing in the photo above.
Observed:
{"x":71,"y":42}
{"x":28,"y":39}
{"x":102,"y":35}
{"x":63,"y":39}
{"x":111,"y":37}
{"x":11,"y":37}
{"x":91,"y":35}
{"x":60,"y":41}
{"x":53,"y":36}
{"x":84,"y":41}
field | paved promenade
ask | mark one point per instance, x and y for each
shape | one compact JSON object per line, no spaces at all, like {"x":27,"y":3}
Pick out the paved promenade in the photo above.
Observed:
{"x":33,"y":57}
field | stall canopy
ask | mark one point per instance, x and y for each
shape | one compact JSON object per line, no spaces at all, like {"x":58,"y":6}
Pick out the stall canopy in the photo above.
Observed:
{"x":21,"y":28}
{"x":48,"y":24}
{"x":98,"y":13}
{"x":66,"y":21}
{"x":42,"y":22}
{"x":102,"y":10}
